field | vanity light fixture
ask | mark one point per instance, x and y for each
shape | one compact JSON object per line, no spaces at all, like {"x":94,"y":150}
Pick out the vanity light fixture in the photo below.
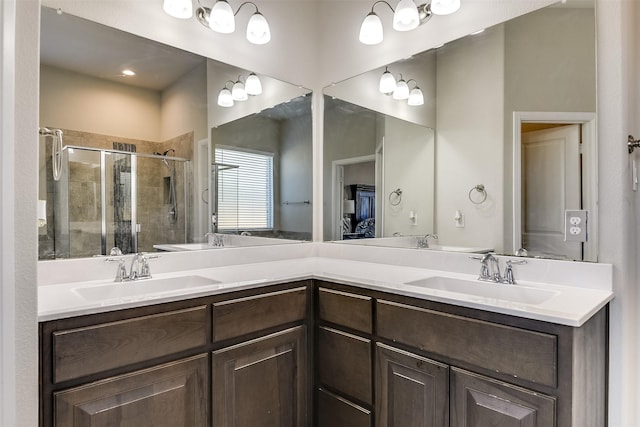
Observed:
{"x":416,"y":97}
{"x":181,"y":9}
{"x":221,"y":18}
{"x":399,"y":89}
{"x":406,"y":17}
{"x":239,"y":90}
{"x":225,"y":98}
{"x":252,"y":85}
{"x":387,"y":82}
{"x":402,"y":90}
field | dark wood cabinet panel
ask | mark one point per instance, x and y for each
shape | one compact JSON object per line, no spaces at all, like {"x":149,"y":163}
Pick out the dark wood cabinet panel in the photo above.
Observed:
{"x":520,"y":353}
{"x":346,"y":309}
{"x":344,"y":363}
{"x":261,"y":382}
{"x":242,"y":316}
{"x":98,"y":348}
{"x":478,"y":401}
{"x":335,"y":411}
{"x":411,"y":391}
{"x":171,"y":395}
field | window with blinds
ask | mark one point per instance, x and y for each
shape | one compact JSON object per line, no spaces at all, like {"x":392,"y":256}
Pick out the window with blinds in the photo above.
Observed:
{"x":245,"y":193}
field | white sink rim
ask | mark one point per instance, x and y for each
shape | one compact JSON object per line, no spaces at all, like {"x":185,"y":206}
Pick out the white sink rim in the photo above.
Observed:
{"x":141,"y":288}
{"x":486,"y":290}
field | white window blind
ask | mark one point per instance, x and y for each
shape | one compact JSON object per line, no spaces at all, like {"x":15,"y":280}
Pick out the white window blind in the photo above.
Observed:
{"x":245,"y":194}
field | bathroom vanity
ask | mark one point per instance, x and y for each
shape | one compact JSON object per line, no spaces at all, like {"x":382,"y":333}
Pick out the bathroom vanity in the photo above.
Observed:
{"x":310,"y":346}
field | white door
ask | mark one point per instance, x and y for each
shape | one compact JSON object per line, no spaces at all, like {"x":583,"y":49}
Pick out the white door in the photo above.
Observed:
{"x":551,"y":184}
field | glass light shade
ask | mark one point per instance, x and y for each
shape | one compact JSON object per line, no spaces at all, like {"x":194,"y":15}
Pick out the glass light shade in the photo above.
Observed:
{"x":371,"y":30}
{"x":182,"y":9}
{"x":225,"y":99}
{"x":406,"y":16}
{"x":221,"y":18}
{"x":253,"y":85}
{"x":238,"y":92}
{"x":387,"y":82}
{"x":444,"y":7}
{"x":416,"y":97}
{"x":258,"y":31}
{"x":402,"y":90}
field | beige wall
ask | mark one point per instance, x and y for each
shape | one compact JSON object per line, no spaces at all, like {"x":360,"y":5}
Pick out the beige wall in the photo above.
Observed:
{"x":469,"y":139}
{"x":183,"y":106}
{"x":409,"y":151}
{"x":70,"y":100}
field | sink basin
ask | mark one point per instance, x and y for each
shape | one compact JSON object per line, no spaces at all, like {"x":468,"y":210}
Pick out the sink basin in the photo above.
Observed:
{"x":476,"y":288}
{"x":141,"y":288}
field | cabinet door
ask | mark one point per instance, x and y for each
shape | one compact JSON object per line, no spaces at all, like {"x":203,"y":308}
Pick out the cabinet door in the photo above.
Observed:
{"x":411,"y":391}
{"x":336,"y":411}
{"x":261,"y":382}
{"x":477,"y":401}
{"x":170,"y":395}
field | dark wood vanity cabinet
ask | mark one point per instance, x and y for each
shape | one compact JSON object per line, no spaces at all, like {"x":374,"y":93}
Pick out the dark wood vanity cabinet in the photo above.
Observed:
{"x":238,"y":359}
{"x":438,"y":365}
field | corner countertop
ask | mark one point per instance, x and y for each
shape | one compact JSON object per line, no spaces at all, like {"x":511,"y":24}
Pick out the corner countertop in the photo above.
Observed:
{"x":568,"y":305}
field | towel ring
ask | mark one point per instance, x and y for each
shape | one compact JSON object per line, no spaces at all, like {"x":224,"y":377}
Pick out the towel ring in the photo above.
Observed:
{"x":397,"y":199}
{"x":480,"y":189}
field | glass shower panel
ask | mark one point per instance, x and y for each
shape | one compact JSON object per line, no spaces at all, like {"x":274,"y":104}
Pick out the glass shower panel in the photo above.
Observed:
{"x":119,"y":211}
{"x":78,"y":205}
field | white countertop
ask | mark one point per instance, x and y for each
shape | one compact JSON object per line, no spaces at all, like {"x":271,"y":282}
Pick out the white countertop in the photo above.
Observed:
{"x":568,"y":305}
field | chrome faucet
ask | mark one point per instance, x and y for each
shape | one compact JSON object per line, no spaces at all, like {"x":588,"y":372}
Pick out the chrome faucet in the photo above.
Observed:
{"x":423,"y":242}
{"x":490,"y":269}
{"x":141,"y":270}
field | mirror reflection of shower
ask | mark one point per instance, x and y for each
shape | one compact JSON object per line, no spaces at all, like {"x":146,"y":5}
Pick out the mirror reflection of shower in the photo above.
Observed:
{"x":171,"y":199}
{"x":114,"y":198}
{"x":56,"y":152}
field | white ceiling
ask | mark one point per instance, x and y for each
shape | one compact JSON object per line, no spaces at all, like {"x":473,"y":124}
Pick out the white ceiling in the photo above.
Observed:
{"x":85,"y":47}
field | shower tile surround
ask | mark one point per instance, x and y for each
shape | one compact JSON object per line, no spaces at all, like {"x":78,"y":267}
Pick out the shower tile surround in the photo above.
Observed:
{"x":85,"y":203}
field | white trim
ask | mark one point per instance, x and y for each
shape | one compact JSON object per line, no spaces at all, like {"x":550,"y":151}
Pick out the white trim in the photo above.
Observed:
{"x":337,"y":173}
{"x":590,"y":170}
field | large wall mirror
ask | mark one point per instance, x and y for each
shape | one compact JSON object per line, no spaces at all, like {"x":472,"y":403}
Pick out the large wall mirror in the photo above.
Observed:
{"x":129,"y":161}
{"x":499,"y":157}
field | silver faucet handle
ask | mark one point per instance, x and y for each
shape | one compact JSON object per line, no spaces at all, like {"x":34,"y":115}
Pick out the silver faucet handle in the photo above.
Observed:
{"x":121,"y":272}
{"x":485,"y":274}
{"x":509,"y":278}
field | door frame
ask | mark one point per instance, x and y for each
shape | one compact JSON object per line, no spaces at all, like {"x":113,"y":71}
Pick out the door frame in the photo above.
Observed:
{"x":337,"y":187}
{"x":589,"y":170}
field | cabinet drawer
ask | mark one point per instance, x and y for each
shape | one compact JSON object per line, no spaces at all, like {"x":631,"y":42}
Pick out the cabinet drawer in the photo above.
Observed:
{"x":344,"y":363}
{"x":97,"y":348}
{"x":171,"y":395}
{"x":242,"y":316}
{"x":345,"y":309}
{"x":334,"y":411}
{"x":528,"y":355}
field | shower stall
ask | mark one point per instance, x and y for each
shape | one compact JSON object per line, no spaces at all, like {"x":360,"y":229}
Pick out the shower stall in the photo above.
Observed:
{"x":111,"y":198}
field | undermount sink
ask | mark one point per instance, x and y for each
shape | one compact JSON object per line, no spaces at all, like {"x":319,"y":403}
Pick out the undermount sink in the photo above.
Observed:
{"x":459,"y":249}
{"x":139,"y":288}
{"x":477,"y":288}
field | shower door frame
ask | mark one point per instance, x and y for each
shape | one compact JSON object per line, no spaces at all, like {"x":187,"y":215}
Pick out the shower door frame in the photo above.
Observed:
{"x":134,"y":191}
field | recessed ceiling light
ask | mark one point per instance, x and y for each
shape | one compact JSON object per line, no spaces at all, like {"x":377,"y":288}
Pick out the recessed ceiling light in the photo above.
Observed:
{"x":477,"y":32}
{"x":128,"y":72}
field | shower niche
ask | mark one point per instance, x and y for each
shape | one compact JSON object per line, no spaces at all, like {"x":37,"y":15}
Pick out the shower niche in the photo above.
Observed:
{"x":111,"y":198}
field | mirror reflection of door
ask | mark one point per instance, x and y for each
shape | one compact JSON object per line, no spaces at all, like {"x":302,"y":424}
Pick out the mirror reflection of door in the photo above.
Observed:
{"x":551,"y":184}
{"x":355,"y":179}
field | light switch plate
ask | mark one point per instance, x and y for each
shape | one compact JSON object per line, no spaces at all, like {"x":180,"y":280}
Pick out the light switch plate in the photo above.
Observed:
{"x":575,"y":225}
